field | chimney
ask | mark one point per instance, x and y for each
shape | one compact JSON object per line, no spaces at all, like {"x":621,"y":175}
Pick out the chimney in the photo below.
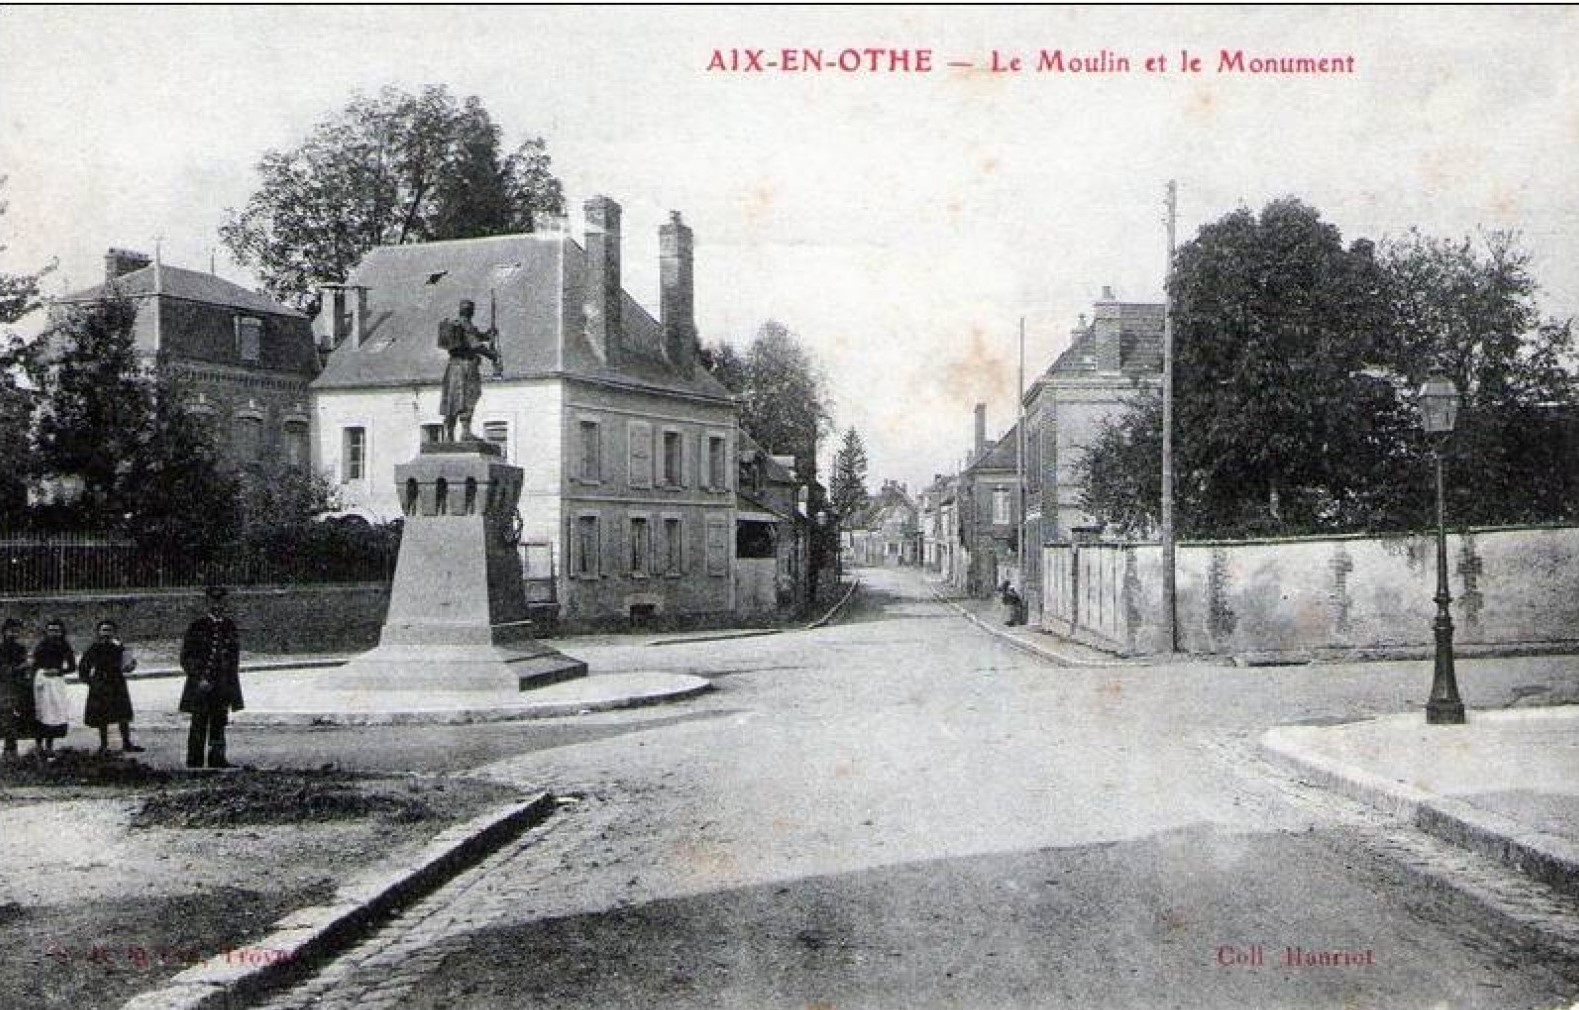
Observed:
{"x":119,"y":262}
{"x":342,"y":313}
{"x":604,"y":323}
{"x":1107,"y":294}
{"x":981,"y":432}
{"x":677,"y":297}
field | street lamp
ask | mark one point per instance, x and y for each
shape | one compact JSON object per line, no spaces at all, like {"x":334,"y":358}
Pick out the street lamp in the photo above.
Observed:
{"x":1438,"y":412}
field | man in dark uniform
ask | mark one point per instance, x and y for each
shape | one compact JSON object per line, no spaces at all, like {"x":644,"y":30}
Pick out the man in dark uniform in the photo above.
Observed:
{"x":211,"y":659}
{"x":466,"y":345}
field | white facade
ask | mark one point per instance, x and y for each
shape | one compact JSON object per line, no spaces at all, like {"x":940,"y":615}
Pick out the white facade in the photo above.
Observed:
{"x":391,"y":423}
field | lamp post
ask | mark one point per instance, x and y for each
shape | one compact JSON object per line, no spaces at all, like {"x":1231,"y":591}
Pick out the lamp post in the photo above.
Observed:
{"x":1438,"y":412}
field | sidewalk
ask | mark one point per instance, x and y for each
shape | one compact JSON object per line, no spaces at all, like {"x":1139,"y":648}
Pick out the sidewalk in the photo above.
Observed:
{"x":988,"y":614}
{"x":162,"y":657}
{"x":1505,"y":785}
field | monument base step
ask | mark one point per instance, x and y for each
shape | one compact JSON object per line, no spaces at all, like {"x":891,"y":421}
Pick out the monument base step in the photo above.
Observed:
{"x":457,"y":668}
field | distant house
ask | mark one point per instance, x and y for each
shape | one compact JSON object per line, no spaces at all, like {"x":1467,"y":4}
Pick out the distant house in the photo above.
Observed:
{"x":629,"y":447}
{"x":772,"y":533}
{"x":1110,"y":360}
{"x":937,"y":515}
{"x":989,"y":510}
{"x":887,"y":531}
{"x":244,"y":360}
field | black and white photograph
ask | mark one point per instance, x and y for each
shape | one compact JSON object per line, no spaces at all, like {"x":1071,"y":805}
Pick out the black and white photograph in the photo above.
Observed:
{"x":789,"y":507}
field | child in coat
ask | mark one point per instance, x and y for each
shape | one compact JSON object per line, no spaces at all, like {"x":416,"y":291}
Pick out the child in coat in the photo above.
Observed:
{"x":104,"y":667}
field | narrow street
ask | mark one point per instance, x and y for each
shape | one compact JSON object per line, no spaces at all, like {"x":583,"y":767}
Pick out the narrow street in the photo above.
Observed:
{"x":901,"y":811}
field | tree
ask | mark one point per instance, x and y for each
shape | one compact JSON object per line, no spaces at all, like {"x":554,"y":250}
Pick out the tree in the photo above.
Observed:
{"x":1280,"y":416}
{"x":19,"y":295}
{"x":783,"y":398}
{"x":1467,"y":308}
{"x":175,"y":494}
{"x":1297,"y":363}
{"x":277,"y":503}
{"x":121,"y":432}
{"x":1120,"y":472}
{"x":95,"y":401}
{"x":386,"y":170}
{"x":847,"y":488}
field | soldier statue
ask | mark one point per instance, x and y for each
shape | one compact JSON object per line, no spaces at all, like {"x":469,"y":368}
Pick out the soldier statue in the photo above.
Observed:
{"x":466,"y":345}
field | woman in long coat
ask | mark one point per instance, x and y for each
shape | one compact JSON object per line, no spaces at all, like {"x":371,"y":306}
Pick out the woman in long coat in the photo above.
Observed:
{"x":16,"y":687}
{"x":104,"y":667}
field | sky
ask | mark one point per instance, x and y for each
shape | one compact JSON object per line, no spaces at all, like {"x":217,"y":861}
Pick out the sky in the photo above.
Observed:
{"x":901,"y":223}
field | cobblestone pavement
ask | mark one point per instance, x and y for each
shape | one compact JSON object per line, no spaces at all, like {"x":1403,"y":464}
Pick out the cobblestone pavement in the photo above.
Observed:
{"x":507,"y":887}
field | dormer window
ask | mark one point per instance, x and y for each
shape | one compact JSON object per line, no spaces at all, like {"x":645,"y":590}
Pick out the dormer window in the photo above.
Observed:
{"x":249,"y":338}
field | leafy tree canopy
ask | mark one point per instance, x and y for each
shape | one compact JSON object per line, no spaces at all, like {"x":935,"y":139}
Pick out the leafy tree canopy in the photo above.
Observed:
{"x":1296,"y":365}
{"x":783,"y":395}
{"x":19,"y":295}
{"x":119,"y":432}
{"x":386,"y":170}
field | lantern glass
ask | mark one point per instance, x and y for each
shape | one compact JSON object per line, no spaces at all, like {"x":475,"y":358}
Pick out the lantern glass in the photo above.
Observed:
{"x":1438,"y":405}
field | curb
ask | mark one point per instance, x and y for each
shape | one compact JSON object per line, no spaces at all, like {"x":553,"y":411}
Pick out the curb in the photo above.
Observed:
{"x":258,"y":719}
{"x":726,"y":636}
{"x":1034,"y":648}
{"x":308,"y":936}
{"x":256,"y":666}
{"x":716,"y":636}
{"x":833,"y":610}
{"x":1545,"y":857}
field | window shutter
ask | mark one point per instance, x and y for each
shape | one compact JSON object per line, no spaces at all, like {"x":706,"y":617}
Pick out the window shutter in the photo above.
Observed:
{"x":717,"y":546}
{"x":640,"y":434}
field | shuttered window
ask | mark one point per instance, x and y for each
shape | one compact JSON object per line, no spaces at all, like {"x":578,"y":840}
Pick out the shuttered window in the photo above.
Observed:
{"x":718,"y":543}
{"x":640,"y":433}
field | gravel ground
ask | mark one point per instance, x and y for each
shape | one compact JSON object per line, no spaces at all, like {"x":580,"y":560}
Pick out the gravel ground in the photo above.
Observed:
{"x":119,"y":875}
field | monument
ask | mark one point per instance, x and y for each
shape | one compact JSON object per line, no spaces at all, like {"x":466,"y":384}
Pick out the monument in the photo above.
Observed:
{"x":457,"y":617}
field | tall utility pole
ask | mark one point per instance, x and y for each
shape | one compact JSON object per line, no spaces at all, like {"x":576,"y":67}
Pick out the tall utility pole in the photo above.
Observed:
{"x":1019,"y":456}
{"x":1169,"y":611}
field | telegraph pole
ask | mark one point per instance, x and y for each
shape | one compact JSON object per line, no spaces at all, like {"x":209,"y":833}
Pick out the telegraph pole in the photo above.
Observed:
{"x":1019,"y":455}
{"x":1169,"y":611}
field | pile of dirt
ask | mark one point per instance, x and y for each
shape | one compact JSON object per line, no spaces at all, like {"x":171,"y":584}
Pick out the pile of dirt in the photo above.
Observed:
{"x":249,"y":796}
{"x":71,"y":767}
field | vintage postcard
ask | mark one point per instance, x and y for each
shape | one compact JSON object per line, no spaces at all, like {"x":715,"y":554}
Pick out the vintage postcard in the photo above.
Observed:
{"x":789,"y":507}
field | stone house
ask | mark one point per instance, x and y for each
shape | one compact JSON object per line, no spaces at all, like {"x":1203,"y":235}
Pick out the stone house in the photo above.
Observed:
{"x":989,"y":511}
{"x":772,"y":533}
{"x":628,"y":510}
{"x":244,"y":361}
{"x":887,"y":531}
{"x":1111,"y":359}
{"x":937,"y":513}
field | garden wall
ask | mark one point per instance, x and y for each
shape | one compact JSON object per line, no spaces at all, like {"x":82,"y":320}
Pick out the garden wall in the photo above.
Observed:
{"x":320,"y":618}
{"x":1509,"y":586}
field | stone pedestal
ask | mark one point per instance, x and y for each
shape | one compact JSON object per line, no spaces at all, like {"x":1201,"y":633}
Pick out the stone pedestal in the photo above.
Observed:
{"x":457,"y":610}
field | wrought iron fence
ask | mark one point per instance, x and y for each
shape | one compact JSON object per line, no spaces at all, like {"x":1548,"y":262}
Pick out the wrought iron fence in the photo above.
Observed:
{"x":40,"y":564}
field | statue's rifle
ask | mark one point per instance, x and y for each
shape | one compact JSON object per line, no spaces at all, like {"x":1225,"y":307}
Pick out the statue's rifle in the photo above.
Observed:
{"x":493,"y":331}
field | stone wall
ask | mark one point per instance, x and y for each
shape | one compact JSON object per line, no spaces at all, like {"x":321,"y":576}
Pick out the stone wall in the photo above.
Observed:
{"x":1340,"y":594}
{"x":281,"y":619}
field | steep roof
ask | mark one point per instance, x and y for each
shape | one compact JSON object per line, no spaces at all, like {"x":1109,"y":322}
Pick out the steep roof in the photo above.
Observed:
{"x":529,"y":286}
{"x":1122,"y":336}
{"x":174,"y":282}
{"x":1004,"y":454}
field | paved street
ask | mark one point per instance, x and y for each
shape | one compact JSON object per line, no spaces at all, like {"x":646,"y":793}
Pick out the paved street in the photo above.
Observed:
{"x":901,"y":811}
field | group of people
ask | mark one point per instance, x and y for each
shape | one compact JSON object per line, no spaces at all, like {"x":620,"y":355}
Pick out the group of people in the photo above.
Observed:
{"x":34,"y":703}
